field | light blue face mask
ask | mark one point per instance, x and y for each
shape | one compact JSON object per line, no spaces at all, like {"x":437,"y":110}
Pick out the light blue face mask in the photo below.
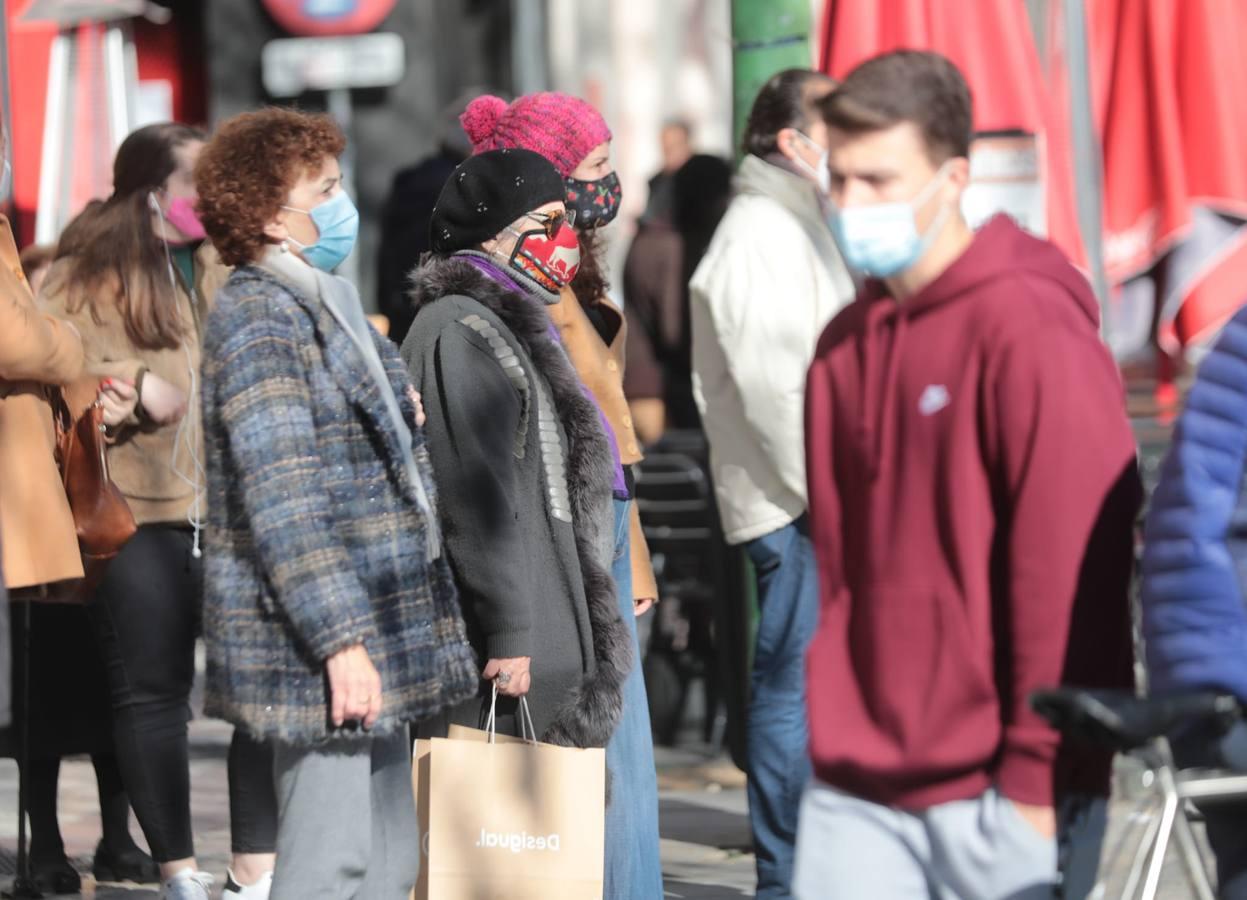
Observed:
{"x":337,"y":224}
{"x":883,"y":240}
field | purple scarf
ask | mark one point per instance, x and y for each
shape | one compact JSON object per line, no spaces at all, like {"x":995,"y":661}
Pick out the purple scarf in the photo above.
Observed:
{"x":487,"y":268}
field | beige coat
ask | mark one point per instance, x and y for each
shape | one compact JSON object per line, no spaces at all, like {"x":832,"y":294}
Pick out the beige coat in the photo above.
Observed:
{"x":36,"y":528}
{"x":158,"y":484}
{"x":601,"y":369}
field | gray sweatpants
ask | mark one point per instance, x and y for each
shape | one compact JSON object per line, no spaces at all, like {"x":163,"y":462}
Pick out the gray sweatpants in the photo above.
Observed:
{"x":978,"y":849}
{"x":346,"y":823}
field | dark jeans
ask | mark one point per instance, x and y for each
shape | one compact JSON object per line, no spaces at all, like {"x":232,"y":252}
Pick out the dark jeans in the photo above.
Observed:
{"x":777,"y":733}
{"x":1226,"y":822}
{"x":146,"y":617}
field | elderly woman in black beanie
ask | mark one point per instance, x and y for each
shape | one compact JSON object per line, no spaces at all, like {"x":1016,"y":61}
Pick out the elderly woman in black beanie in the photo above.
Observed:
{"x":524,"y":466}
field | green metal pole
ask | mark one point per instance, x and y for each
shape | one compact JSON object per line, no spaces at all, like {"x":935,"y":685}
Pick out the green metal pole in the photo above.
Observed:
{"x":768,"y":36}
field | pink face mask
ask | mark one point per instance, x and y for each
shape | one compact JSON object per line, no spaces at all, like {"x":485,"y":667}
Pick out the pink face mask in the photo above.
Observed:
{"x":182,"y":216}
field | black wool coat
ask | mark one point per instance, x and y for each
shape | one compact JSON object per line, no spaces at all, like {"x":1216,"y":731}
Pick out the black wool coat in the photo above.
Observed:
{"x":524,"y":472}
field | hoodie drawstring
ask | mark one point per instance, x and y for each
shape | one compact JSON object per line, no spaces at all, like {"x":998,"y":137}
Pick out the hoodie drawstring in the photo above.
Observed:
{"x":880,"y":366}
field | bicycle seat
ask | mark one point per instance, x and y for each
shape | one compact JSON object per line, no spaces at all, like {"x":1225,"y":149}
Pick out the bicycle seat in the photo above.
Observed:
{"x":1123,"y":722}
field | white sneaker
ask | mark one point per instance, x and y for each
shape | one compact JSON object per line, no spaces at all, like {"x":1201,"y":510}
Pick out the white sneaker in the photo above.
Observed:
{"x":257,"y":891}
{"x":188,"y":885}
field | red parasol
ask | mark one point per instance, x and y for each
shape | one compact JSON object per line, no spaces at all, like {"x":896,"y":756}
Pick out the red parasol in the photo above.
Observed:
{"x":1170,"y":90}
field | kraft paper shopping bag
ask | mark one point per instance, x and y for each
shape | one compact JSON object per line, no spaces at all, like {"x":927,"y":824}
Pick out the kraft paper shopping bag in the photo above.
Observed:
{"x":508,"y":820}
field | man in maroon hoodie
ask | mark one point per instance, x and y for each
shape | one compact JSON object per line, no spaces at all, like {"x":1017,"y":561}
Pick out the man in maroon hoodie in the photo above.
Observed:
{"x":973,"y":489}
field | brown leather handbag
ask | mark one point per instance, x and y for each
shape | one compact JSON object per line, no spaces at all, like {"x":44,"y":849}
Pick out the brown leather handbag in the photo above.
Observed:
{"x":101,"y":514}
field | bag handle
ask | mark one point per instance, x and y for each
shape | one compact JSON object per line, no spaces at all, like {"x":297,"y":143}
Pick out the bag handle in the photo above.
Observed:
{"x":527,"y":732}
{"x":95,"y":410}
{"x":62,"y":421}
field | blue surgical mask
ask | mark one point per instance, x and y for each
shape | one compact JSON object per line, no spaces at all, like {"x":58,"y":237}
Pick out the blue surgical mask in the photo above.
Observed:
{"x":883,"y":240}
{"x":337,"y":224}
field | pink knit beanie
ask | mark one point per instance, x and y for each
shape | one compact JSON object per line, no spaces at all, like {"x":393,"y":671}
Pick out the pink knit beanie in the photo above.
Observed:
{"x":562,"y":128}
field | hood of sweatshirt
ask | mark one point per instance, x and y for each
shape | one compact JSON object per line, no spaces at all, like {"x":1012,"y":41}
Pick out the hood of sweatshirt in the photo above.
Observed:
{"x":1000,"y":251}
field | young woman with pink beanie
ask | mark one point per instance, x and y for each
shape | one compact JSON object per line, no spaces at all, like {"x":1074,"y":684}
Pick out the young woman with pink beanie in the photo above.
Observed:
{"x":573,"y":136}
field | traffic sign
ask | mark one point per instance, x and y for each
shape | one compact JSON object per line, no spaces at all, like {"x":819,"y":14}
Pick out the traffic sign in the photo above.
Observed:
{"x":291,"y":66}
{"x":329,"y":17}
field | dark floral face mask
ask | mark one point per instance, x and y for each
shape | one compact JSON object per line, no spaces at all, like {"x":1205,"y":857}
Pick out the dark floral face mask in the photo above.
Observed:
{"x":595,"y":202}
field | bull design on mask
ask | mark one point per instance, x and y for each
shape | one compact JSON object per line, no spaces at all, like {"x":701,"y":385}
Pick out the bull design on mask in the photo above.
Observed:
{"x":550,"y":261}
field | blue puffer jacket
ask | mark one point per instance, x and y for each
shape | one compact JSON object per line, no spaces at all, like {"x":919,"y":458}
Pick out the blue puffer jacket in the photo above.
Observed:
{"x":1195,"y":563}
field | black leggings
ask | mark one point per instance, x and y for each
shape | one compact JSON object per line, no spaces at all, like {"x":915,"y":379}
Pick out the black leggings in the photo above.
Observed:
{"x":43,"y":776}
{"x":252,"y":796}
{"x":146,"y":617}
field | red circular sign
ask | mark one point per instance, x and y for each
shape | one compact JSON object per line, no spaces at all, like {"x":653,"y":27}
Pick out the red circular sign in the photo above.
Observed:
{"x":329,"y":17}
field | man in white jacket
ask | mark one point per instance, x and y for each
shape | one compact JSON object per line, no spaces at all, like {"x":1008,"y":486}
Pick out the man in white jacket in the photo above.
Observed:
{"x":770,"y":281}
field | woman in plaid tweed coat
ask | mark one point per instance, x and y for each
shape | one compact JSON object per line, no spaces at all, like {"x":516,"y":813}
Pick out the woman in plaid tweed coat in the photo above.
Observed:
{"x":330,"y":615}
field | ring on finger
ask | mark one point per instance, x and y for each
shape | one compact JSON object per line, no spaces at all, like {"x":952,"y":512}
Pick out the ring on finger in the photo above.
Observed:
{"x":504,"y":678}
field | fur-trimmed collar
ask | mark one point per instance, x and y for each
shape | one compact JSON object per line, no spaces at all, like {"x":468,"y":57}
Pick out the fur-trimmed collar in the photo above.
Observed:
{"x":443,"y":276}
{"x":525,"y":314}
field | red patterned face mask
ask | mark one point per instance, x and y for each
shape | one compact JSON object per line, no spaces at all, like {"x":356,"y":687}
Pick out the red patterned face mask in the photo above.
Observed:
{"x":551,"y":261}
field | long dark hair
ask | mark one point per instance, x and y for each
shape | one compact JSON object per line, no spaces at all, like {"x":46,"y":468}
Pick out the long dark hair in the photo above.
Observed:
{"x":788,"y":100}
{"x":590,"y":284}
{"x":115,"y":237}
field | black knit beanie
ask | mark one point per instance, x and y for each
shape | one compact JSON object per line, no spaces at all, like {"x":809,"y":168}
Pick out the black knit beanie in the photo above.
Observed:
{"x":487,"y":193}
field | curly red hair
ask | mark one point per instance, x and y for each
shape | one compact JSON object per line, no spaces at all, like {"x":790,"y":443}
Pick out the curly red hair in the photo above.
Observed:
{"x":247,"y":169}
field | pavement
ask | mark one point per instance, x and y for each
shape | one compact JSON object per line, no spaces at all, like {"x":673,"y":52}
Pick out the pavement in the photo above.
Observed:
{"x":705,"y":832}
{"x":703,"y":819}
{"x":706,"y":852}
